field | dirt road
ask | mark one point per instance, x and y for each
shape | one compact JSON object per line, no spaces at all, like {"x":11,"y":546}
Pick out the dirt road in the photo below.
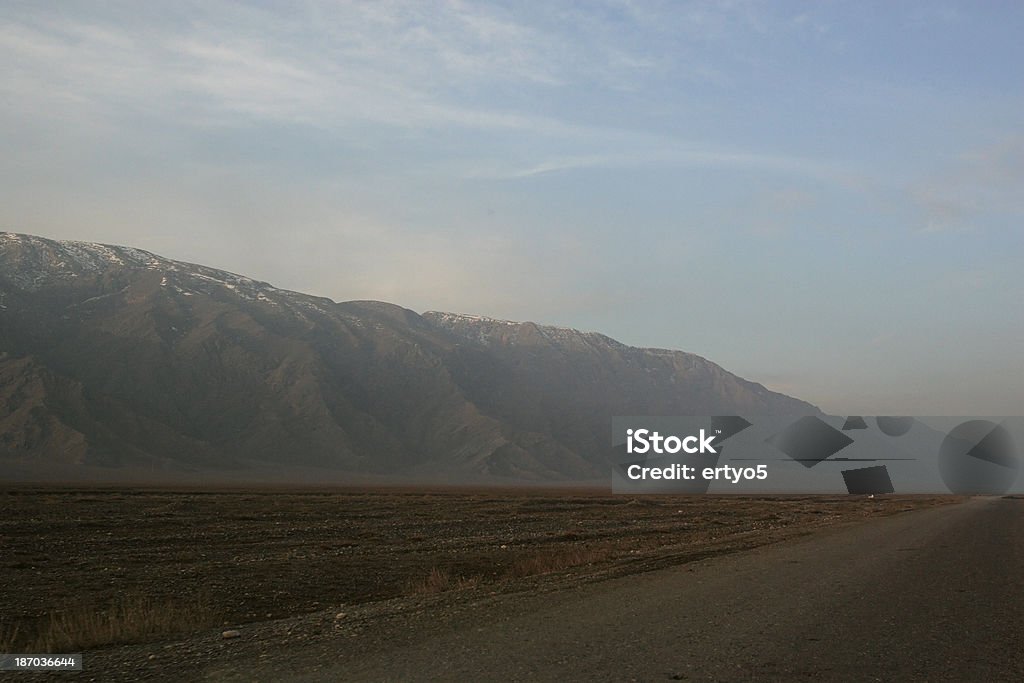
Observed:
{"x":935,"y":594}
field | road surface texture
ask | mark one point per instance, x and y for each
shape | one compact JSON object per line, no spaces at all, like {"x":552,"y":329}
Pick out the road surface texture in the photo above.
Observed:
{"x":931,"y":595}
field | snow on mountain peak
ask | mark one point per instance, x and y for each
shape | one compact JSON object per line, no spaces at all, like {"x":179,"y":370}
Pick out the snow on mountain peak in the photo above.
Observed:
{"x":486,"y":330}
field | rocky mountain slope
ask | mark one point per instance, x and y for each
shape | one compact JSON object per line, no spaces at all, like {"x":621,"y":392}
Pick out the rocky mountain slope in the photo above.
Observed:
{"x":116,"y":357}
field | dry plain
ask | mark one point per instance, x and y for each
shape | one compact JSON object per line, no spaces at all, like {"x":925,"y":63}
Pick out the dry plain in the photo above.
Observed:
{"x":94,"y":568}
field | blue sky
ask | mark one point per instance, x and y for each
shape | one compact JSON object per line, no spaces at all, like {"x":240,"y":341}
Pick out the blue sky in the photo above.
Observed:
{"x":825,"y":197}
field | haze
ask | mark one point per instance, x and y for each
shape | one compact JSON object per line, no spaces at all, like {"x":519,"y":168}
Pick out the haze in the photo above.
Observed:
{"x":823,"y":197}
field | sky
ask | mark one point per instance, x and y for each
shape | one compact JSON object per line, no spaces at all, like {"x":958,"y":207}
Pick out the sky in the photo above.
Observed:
{"x":825,"y":197}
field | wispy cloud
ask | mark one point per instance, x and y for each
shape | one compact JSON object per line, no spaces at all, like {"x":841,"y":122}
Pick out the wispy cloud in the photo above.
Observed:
{"x":401,"y":64}
{"x":409,"y":66}
{"x":644,"y":152}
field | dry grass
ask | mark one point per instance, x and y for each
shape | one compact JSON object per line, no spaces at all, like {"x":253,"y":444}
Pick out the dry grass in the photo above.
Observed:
{"x":9,"y":637}
{"x":129,"y":620}
{"x":557,"y":559}
{"x":440,"y":580}
{"x":532,"y":564}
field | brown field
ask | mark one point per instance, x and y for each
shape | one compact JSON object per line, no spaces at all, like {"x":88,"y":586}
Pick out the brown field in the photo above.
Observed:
{"x":84,"y":568}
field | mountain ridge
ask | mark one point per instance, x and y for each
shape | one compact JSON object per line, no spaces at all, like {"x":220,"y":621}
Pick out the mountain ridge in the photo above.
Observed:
{"x":115,"y":356}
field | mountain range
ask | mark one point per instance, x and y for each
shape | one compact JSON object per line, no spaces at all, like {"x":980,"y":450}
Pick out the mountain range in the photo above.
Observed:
{"x":116,"y":358}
